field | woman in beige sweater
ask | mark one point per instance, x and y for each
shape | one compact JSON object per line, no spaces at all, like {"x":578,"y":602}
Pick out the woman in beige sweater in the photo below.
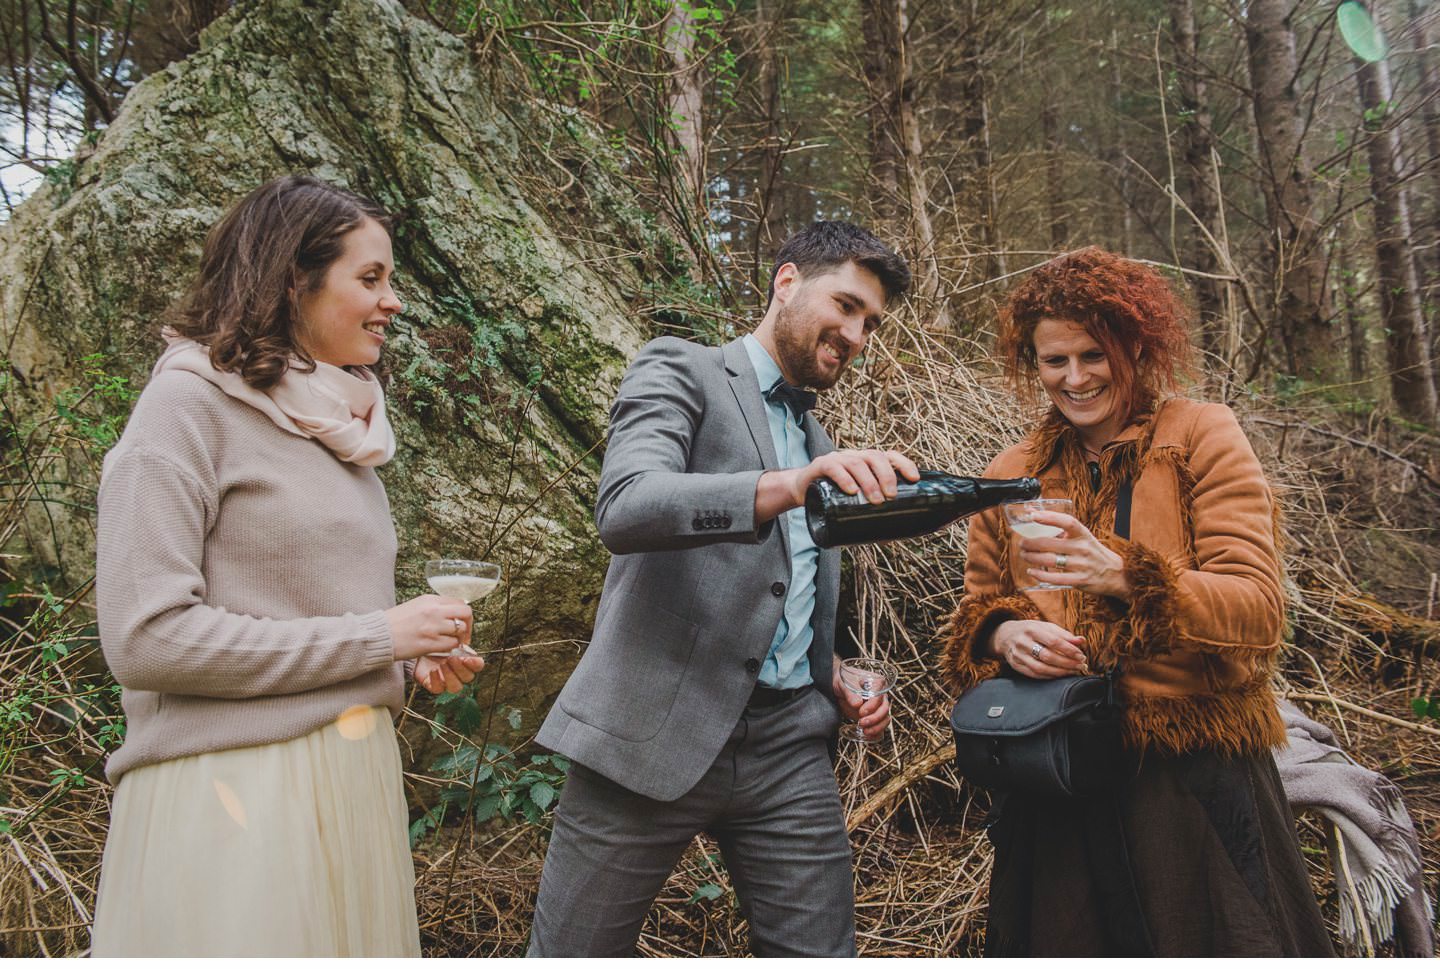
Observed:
{"x":246,"y":597}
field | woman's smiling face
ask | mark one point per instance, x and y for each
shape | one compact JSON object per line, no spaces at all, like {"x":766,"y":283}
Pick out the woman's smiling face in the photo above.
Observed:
{"x":343,"y":322}
{"x":1075,"y":373}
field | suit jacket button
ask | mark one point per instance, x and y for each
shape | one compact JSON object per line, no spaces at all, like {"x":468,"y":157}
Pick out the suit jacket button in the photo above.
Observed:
{"x":697,"y":524}
{"x":778,"y":589}
{"x":752,"y":665}
{"x":724,"y":521}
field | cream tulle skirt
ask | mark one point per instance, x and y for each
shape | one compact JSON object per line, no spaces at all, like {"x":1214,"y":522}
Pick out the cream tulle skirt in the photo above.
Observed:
{"x":290,"y":849}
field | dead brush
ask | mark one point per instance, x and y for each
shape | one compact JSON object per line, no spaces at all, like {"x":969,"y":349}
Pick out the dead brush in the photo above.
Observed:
{"x":1364,"y":646}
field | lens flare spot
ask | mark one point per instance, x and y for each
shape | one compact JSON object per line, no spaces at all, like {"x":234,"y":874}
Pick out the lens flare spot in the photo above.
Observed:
{"x":356,"y":723}
{"x":1360,"y":31}
{"x":232,"y":803}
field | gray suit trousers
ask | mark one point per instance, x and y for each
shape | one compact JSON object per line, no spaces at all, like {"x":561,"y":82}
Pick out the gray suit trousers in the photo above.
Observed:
{"x":769,"y":799}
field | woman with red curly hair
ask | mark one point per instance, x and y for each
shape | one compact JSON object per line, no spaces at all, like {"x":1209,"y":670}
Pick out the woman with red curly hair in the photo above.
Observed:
{"x":1195,"y":853}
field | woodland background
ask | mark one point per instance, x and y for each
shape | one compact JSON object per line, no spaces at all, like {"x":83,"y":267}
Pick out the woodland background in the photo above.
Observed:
{"x":572,"y":179}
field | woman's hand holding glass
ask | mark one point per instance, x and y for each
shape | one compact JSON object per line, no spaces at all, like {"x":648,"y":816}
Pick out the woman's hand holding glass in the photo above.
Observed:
{"x":429,"y":625}
{"x":1038,"y":649}
{"x":1074,"y":559}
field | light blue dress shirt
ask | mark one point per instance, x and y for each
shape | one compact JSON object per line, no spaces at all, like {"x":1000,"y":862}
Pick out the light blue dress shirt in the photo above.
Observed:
{"x":786,"y":665}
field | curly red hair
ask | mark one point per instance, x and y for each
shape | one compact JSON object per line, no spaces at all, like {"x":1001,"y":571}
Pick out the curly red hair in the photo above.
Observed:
{"x":1125,"y":306}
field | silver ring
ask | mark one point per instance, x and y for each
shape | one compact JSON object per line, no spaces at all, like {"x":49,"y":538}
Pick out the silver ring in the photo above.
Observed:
{"x":1036,"y":650}
{"x":459,"y":627}
{"x":1060,"y":561}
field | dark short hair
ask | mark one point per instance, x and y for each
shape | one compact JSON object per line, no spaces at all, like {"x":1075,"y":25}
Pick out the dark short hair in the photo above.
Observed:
{"x":274,"y":246}
{"x":826,"y":245}
{"x":1125,"y":306}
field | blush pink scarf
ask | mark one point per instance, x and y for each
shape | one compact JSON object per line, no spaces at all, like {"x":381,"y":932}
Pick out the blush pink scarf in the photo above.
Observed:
{"x":342,"y":410}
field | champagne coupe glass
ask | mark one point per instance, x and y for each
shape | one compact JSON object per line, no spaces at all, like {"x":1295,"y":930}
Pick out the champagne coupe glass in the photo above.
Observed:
{"x":1021,"y":517}
{"x":866,"y":678}
{"x":462,"y":579}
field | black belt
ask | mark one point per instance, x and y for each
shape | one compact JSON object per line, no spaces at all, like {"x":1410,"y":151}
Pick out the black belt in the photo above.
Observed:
{"x":768,"y":696}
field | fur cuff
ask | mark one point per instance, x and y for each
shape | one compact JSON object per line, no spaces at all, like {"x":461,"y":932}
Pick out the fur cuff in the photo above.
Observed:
{"x":1152,"y":619}
{"x":969,"y":626}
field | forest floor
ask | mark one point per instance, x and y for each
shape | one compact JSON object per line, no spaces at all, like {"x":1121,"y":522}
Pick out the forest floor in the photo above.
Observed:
{"x":1361,"y":498}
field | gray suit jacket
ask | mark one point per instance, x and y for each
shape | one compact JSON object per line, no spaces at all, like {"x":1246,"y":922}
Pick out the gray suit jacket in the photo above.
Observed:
{"x":695,"y":590}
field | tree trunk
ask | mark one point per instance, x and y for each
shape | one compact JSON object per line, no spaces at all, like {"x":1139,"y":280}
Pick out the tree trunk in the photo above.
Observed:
{"x":1118,"y":162}
{"x":1412,"y":380}
{"x":896,"y":143}
{"x":770,"y":215}
{"x":882,"y":40}
{"x":1296,"y":256}
{"x":975,"y":132}
{"x":1054,"y":178}
{"x":685,"y":101}
{"x":1427,"y":214}
{"x":1354,"y":325}
{"x":1201,"y":181}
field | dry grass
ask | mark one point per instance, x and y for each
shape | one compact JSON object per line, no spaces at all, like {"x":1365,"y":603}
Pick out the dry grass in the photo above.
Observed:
{"x":1358,"y":519}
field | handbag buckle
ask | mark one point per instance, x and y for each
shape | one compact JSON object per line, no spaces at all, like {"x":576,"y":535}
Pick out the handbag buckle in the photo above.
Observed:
{"x":994,"y":711}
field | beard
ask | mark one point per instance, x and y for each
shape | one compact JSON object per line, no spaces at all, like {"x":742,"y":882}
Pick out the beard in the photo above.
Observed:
{"x":796,"y":344}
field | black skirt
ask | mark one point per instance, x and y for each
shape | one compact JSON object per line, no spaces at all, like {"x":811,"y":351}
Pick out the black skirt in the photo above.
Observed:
{"x":1195,"y":856}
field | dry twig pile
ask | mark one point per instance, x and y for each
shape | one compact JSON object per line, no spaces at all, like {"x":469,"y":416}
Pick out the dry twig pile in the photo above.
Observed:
{"x":1359,"y":503}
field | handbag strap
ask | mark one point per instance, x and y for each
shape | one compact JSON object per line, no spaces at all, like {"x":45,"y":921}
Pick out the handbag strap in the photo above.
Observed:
{"x":1122,"y":529}
{"x":1122,"y":509}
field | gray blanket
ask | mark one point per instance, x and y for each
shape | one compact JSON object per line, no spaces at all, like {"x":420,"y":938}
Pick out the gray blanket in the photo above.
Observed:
{"x":1377,"y":852}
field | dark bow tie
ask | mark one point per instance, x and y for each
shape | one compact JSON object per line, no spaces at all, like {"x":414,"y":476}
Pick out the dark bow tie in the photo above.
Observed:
{"x":799,"y":401}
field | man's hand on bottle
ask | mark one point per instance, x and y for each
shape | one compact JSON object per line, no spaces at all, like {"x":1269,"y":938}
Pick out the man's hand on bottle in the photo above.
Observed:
{"x":870,"y":472}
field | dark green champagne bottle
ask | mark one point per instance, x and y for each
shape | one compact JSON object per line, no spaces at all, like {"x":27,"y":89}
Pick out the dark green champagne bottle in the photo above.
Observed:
{"x":918,"y":508}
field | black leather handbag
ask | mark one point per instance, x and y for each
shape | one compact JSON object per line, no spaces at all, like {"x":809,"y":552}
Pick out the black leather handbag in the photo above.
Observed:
{"x":1053,"y":738}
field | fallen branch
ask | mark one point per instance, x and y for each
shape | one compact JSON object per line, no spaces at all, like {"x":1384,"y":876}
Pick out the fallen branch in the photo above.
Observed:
{"x":918,"y":770}
{"x":1358,"y":442}
{"x":1366,"y":711}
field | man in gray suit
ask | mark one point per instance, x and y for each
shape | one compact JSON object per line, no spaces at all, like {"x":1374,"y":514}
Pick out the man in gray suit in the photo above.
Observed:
{"x":708,"y":699}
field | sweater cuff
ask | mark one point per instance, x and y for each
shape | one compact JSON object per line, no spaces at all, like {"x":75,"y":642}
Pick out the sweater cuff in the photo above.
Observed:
{"x":379,"y":648}
{"x":963,"y":660}
{"x":1152,"y":616}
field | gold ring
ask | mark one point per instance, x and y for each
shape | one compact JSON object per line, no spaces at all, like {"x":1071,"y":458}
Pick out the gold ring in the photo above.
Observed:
{"x":459,"y":627}
{"x":1060,"y":561}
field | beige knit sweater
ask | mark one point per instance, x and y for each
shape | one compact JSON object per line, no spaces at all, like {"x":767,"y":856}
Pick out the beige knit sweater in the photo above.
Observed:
{"x":241,"y":578}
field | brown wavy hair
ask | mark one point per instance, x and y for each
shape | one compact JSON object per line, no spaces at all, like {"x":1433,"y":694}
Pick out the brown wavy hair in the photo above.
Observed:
{"x":1126,"y":307}
{"x":273,"y":247}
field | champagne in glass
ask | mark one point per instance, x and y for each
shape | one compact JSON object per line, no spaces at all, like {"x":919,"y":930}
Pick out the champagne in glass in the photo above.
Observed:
{"x":1020,"y":516}
{"x":866,"y":678}
{"x":462,"y":579}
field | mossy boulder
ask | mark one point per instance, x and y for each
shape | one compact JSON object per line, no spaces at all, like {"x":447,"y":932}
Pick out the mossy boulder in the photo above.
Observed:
{"x":521,"y":255}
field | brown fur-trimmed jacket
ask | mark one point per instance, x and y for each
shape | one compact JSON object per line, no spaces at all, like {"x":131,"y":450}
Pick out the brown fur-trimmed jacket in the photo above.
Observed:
{"x":1198,"y":639}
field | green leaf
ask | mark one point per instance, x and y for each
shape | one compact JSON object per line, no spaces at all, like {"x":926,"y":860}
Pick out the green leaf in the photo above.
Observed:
{"x":486,"y":807}
{"x":462,"y":761}
{"x":1421,"y":706}
{"x":422,"y":826}
{"x":705,"y":893}
{"x":513,"y":718}
{"x":542,"y":794}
